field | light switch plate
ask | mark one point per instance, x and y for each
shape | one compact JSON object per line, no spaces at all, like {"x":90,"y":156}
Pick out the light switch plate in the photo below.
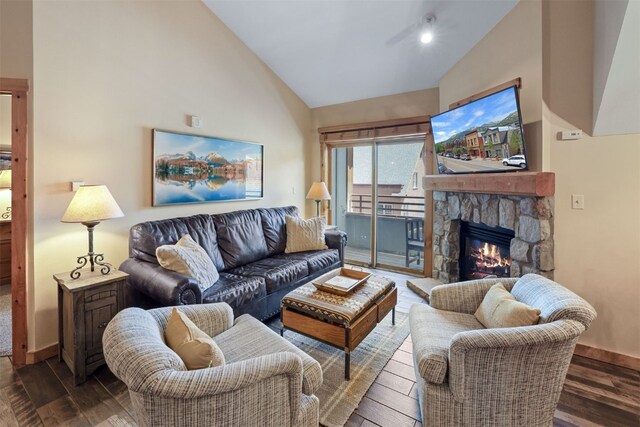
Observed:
{"x":196,"y":122}
{"x":577,"y":201}
{"x":75,"y":185}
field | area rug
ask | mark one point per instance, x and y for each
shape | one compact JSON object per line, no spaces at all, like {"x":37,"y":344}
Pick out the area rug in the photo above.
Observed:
{"x":338,"y":397}
{"x":5,"y":320}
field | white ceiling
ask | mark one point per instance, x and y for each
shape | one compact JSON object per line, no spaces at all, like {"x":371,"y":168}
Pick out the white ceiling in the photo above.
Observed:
{"x":334,"y":51}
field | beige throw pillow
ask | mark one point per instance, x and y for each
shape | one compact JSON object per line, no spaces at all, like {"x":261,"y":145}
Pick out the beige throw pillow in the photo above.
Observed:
{"x":499,"y":309}
{"x":196,"y":349}
{"x":189,"y":258}
{"x":305,"y":235}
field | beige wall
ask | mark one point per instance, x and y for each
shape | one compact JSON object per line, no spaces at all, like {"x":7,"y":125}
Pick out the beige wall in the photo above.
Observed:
{"x":106,"y":73}
{"x":410,"y":104}
{"x":568,"y":60}
{"x":16,"y":39}
{"x":512,"y":49}
{"x":596,"y":249}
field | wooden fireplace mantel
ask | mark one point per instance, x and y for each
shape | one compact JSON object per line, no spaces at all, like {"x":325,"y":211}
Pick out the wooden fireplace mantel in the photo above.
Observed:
{"x":539,"y":184}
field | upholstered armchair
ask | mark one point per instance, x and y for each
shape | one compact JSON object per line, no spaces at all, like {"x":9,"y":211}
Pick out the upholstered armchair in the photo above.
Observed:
{"x":266,"y":381}
{"x":468,"y":375}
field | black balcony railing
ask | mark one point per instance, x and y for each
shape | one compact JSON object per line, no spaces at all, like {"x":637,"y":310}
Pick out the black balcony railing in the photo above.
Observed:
{"x":402,"y":206}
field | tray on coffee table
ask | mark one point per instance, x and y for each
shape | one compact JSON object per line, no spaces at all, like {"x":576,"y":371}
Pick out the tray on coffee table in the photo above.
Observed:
{"x":341,"y":281}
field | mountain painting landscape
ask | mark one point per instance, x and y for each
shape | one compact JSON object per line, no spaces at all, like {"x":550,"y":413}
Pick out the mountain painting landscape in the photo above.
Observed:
{"x":197,"y":169}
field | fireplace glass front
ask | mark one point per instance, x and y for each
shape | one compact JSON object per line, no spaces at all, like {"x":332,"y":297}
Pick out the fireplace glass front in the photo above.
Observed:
{"x":484,"y":251}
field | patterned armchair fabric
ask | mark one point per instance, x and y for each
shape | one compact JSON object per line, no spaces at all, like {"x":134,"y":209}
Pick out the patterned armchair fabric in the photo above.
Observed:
{"x":469,"y":375}
{"x":265,"y":389}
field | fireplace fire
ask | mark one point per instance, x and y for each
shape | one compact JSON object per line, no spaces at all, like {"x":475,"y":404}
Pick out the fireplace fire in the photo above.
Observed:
{"x":485,"y":251}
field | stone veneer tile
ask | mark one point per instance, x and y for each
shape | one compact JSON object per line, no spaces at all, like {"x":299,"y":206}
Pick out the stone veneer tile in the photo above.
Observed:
{"x":507,"y":214}
{"x":519,"y":250}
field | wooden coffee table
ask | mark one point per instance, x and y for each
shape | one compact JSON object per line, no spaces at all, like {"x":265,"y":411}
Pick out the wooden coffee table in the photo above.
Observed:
{"x":340,"y":321}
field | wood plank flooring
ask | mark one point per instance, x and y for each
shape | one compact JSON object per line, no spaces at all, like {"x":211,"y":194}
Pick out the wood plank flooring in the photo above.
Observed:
{"x":595,"y":393}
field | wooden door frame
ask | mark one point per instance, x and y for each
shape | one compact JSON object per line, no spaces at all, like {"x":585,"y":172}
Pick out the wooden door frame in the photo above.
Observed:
{"x":18,"y":89}
{"x":429,"y":160}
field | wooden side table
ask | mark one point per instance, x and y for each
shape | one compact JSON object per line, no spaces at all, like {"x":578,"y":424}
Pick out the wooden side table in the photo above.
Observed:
{"x":85,"y":307}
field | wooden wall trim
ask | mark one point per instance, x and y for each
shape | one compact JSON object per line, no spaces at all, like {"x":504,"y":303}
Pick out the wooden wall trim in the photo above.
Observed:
{"x":429,"y":159}
{"x":515,"y":82}
{"x":13,"y":85}
{"x":607,"y":356}
{"x":375,"y":125}
{"x":42,"y":354}
{"x":18,"y":88}
{"x":537,"y":184}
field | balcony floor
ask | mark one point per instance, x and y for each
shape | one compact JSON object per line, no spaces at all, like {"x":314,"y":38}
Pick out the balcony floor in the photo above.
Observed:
{"x":363,"y":256}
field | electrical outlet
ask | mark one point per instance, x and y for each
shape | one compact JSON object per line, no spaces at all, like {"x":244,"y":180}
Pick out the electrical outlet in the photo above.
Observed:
{"x":577,"y":201}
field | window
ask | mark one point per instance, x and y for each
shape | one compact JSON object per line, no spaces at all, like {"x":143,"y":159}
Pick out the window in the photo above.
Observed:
{"x":385,"y":208}
{"x":415,"y":180}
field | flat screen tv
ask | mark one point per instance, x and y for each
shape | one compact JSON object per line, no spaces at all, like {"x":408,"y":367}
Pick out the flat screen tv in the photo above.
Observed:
{"x":482,"y":136}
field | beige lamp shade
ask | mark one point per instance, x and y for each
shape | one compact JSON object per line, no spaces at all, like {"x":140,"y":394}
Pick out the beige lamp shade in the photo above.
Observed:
{"x":5,"y":179}
{"x":318,"y":191}
{"x":92,"y":203}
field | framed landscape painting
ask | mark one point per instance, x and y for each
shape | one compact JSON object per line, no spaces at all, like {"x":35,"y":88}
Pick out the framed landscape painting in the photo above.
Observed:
{"x":5,"y":160}
{"x":199,"y":169}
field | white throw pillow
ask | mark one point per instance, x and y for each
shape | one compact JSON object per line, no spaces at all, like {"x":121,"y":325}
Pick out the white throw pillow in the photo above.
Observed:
{"x":189,"y":258}
{"x":305,"y":235}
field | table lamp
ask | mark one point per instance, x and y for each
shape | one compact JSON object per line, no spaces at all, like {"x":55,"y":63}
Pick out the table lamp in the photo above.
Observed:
{"x":5,"y":186}
{"x":90,"y":205}
{"x":318,"y":192}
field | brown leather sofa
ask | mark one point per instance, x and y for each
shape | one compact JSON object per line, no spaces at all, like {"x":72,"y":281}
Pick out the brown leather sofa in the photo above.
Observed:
{"x":247,"y":248}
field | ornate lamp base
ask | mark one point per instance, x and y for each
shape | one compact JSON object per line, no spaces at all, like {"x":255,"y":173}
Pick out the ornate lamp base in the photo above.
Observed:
{"x":93,"y":260}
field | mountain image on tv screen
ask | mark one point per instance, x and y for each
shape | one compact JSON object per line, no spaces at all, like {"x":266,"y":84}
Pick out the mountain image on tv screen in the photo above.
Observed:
{"x":482,"y":136}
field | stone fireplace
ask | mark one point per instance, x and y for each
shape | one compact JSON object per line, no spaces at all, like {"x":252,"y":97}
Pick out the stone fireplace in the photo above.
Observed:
{"x":528,"y":218}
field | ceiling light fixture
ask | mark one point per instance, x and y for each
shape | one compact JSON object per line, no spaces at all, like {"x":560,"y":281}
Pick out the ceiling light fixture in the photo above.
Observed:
{"x":426,"y":33}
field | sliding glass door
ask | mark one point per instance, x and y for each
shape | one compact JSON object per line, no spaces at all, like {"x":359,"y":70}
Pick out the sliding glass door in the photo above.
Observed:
{"x":379,"y":202}
{"x":352,"y":197}
{"x":400,"y":216}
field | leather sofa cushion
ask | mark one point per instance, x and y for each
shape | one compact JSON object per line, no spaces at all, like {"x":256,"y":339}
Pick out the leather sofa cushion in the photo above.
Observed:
{"x":274,"y":227}
{"x":316,"y":260}
{"x":240,"y":237}
{"x":235,"y":290}
{"x":277,"y":273}
{"x":145,"y":237}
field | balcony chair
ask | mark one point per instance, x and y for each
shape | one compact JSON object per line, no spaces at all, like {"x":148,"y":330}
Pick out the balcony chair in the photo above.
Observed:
{"x":266,"y":381}
{"x":414,"y":240}
{"x":471,"y":376}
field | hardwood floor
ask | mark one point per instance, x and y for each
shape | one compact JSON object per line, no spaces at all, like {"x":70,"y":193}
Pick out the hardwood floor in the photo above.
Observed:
{"x":595,"y":393}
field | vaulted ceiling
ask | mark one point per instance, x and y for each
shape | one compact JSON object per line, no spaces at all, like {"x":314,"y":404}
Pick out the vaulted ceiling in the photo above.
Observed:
{"x":334,"y":51}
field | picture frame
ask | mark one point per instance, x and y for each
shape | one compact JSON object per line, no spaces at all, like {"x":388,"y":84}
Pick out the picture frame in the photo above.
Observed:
{"x":5,"y":159}
{"x":191,"y":169}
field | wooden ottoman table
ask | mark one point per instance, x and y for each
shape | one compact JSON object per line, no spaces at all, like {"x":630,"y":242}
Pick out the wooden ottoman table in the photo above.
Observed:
{"x":340,"y":321}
